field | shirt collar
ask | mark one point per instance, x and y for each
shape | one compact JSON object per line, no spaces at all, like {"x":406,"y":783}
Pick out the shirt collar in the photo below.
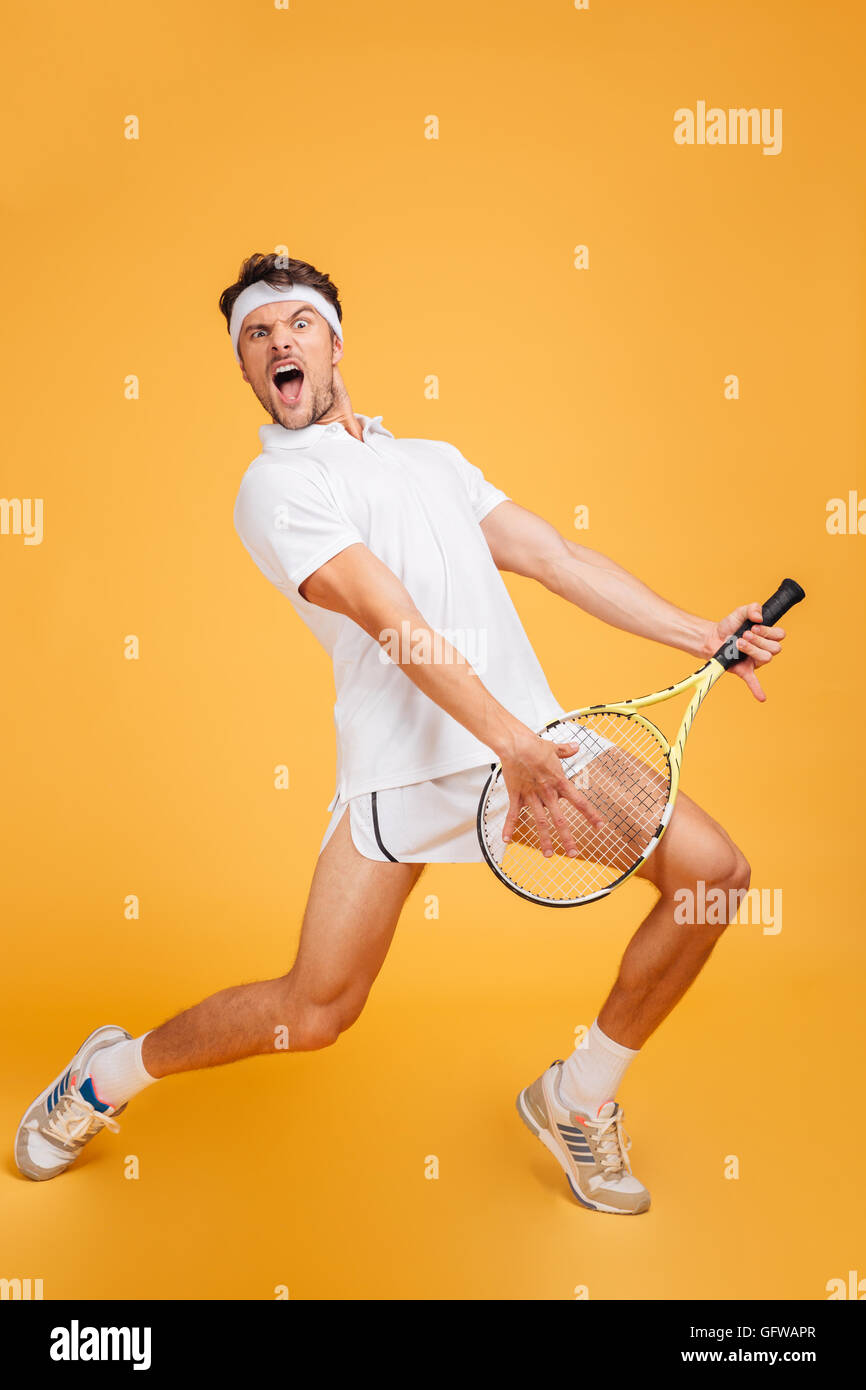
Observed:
{"x":277,"y":437}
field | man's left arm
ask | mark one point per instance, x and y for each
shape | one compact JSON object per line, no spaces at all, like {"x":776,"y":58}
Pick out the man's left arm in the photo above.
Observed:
{"x":523,"y":543}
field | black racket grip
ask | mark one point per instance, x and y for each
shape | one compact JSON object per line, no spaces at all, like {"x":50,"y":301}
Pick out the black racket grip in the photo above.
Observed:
{"x":788,"y":593}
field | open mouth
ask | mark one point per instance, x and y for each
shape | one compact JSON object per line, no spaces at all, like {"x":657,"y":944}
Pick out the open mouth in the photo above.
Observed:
{"x":289,"y":381}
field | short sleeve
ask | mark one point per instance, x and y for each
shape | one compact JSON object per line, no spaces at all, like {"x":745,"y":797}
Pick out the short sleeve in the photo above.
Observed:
{"x":290,"y":523}
{"x":483,"y":495}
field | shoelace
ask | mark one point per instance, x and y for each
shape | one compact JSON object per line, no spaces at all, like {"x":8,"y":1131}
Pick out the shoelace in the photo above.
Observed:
{"x":611,"y":1144}
{"x":75,"y":1120}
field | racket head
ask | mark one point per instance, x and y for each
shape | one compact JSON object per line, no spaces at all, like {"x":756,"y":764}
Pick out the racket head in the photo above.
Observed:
{"x":623,"y":768}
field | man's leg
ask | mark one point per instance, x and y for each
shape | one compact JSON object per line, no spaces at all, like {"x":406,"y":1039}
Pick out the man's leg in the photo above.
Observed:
{"x":662,"y":958}
{"x":572,"y":1107}
{"x":350,"y":919}
{"x":351,"y":914}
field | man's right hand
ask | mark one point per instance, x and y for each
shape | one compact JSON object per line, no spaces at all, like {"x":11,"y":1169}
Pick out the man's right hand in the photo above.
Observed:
{"x":533,"y":775}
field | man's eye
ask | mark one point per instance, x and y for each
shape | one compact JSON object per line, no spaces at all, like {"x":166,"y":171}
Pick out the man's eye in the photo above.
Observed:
{"x":257,"y":331}
{"x":306,"y":321}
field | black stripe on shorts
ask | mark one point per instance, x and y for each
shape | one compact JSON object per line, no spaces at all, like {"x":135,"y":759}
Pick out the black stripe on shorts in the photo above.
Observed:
{"x":376,"y":830}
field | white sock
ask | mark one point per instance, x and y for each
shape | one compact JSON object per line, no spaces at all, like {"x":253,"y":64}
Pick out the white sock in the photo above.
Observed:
{"x":593,"y":1072}
{"x":118,"y":1073}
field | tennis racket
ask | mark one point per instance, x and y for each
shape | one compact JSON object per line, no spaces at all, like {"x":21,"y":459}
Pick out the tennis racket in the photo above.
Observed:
{"x":629,"y":773}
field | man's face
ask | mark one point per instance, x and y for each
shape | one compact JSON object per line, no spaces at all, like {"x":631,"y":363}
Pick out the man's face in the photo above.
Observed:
{"x":291,"y":336}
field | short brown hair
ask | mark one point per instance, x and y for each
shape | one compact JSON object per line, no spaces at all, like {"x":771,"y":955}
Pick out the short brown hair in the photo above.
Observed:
{"x":280,"y":276}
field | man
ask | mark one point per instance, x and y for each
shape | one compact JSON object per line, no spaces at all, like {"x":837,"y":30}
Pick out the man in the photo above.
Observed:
{"x":369,"y":536}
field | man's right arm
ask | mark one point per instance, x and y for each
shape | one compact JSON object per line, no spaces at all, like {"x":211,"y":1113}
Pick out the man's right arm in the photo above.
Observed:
{"x":357,"y":584}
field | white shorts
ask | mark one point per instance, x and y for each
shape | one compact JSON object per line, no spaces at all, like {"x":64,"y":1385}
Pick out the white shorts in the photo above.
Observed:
{"x":425,"y":823}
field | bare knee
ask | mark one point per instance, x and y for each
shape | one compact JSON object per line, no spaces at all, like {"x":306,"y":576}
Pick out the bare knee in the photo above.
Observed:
{"x":726,"y":876}
{"x":731,"y":869}
{"x":706,"y":882}
{"x":316,"y":1023}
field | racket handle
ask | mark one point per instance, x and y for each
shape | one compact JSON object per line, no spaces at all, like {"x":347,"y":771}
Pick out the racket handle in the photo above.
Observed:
{"x":787,"y":594}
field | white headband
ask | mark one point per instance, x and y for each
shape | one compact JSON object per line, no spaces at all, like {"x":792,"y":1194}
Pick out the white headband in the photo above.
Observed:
{"x":260,"y":293}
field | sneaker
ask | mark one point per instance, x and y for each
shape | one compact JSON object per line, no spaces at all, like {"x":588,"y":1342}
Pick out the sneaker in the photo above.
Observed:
{"x":67,"y":1115}
{"x":591,"y":1151}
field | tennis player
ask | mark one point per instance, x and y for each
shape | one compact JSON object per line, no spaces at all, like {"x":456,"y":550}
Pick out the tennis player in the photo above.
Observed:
{"x":390,"y":550}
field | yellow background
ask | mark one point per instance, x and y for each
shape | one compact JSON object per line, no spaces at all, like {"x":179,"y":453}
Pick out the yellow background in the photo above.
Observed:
{"x":601,"y":387}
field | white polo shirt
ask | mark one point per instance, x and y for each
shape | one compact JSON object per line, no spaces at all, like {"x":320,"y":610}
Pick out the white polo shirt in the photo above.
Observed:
{"x":417,"y":505}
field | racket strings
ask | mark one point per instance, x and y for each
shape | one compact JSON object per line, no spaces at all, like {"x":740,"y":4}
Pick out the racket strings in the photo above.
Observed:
{"x":622,"y":771}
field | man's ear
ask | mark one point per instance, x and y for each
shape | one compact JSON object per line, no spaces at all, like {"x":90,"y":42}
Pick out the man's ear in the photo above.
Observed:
{"x":337,"y":352}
